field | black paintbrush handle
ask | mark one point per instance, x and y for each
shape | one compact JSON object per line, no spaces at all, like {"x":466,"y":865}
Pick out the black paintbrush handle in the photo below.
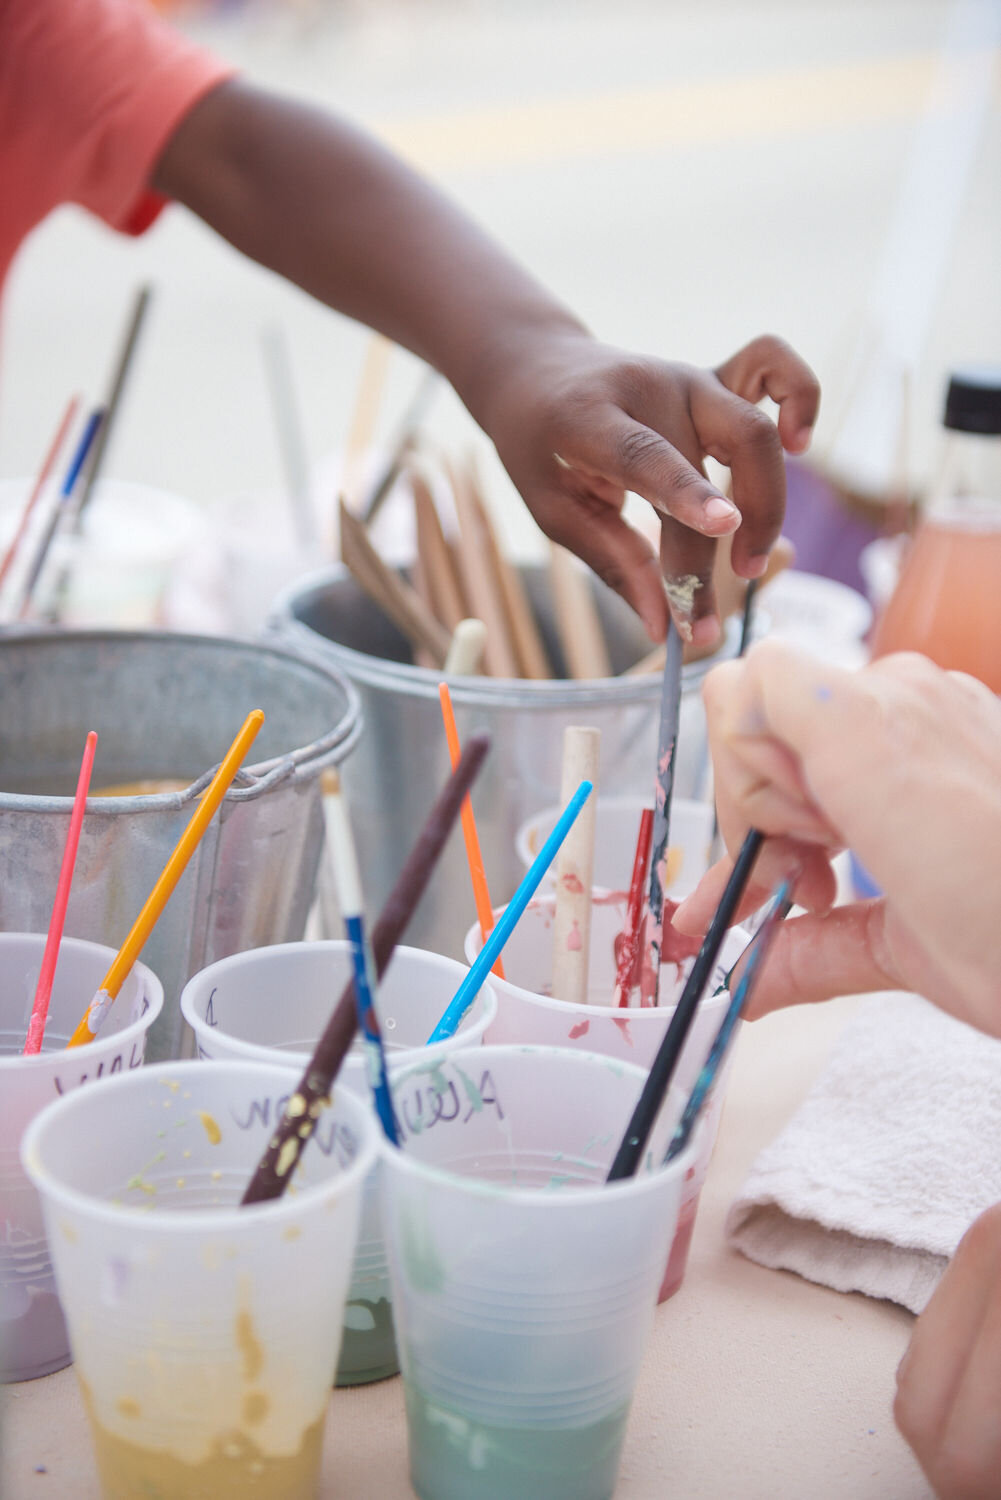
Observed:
{"x":633,"y":1144}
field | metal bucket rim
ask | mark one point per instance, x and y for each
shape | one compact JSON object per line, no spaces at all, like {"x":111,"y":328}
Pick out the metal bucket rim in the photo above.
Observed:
{"x":250,"y":781}
{"x":496,"y":692}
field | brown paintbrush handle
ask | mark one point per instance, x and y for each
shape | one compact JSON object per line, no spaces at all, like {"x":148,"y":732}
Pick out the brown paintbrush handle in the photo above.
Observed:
{"x":394,"y":597}
{"x":275,"y":1168}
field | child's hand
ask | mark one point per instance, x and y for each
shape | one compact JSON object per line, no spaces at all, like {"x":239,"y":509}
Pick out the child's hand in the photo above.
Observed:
{"x":577,"y":424}
{"x":948,"y":1404}
{"x":900,"y":762}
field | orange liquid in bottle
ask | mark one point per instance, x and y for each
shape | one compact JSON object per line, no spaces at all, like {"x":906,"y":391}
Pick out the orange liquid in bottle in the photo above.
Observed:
{"x":947,"y":603}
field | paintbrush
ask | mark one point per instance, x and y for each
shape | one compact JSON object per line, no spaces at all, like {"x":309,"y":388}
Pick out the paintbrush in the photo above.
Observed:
{"x":60,"y":510}
{"x":288,"y":427}
{"x":508,"y":919}
{"x":48,"y":464}
{"x":50,"y":957}
{"x":631,"y":937}
{"x":345,"y":863}
{"x":402,"y":445}
{"x":667,"y":747}
{"x":658,"y":1081}
{"x":760,"y":946}
{"x":275,"y":1168}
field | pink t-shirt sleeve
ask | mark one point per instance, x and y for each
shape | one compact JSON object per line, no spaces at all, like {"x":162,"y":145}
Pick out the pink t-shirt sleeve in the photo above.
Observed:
{"x":90,"y":93}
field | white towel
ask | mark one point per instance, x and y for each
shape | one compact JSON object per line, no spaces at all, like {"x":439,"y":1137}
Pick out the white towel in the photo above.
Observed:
{"x":893,"y":1154}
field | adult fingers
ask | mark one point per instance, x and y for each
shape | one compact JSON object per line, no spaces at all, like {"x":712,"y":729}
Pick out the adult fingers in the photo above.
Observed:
{"x":767,"y":366}
{"x":934,"y":1370}
{"x":622,"y":559}
{"x":815,"y":884}
{"x":816,"y":958}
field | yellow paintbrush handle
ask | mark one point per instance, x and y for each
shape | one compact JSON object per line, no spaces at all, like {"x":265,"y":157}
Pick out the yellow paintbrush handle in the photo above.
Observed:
{"x":172,"y":872}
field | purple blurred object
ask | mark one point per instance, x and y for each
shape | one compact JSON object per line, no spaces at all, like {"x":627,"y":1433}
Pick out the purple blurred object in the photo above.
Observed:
{"x":827,"y":537}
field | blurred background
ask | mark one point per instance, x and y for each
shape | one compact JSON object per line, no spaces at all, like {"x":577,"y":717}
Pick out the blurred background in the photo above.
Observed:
{"x":683,"y":175}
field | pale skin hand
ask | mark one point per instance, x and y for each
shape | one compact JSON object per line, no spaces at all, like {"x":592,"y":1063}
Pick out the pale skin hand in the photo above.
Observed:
{"x":576,"y":423}
{"x":900,"y":762}
{"x":948,"y":1404}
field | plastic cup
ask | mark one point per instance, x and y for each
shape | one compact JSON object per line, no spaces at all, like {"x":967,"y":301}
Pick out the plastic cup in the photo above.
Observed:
{"x":526,"y":1012}
{"x":133,"y":540}
{"x":524,"y":1285}
{"x":270,"y":1005}
{"x":33,"y":1338}
{"x":616,"y":825}
{"x":205,"y":1335}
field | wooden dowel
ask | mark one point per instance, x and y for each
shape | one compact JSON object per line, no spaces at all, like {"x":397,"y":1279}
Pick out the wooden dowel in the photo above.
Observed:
{"x":466,"y":651}
{"x":575,"y":869}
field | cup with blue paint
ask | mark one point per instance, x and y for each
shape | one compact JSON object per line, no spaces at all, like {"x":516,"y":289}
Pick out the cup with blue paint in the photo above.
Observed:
{"x":524,"y":1286}
{"x":270,"y":1005}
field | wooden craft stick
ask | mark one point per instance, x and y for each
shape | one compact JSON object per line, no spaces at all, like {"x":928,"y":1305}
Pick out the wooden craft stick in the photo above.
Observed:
{"x":394,"y":597}
{"x":435,"y":556}
{"x":522,"y":627}
{"x":371,"y":384}
{"x":577,"y":621}
{"x":480,"y":582}
{"x":466,"y":651}
{"x":575,"y":870}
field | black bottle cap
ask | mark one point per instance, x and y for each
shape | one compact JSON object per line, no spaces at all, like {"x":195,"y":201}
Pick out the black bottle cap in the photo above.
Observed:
{"x":973,"y":401}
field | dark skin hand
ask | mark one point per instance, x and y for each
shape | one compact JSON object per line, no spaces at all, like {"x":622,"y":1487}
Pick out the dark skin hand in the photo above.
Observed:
{"x":576,"y":423}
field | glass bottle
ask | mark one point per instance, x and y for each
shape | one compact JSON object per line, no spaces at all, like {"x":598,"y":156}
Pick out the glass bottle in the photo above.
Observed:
{"x":947,"y":602}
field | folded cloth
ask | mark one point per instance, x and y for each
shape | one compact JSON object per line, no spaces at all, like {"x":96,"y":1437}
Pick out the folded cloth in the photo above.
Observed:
{"x":893,"y":1154}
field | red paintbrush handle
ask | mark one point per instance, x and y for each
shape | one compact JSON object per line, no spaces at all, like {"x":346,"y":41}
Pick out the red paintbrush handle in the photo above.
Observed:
{"x":629,"y":938}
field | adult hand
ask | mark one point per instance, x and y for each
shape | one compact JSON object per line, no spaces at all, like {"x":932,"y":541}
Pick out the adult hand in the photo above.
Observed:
{"x":577,"y":424}
{"x":948,"y":1404}
{"x":900,"y":761}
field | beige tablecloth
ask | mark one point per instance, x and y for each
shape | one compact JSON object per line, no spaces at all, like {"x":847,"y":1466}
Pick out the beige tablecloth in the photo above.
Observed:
{"x":755,"y":1384}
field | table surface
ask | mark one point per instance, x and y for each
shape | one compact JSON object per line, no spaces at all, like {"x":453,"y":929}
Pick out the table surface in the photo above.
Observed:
{"x":754,"y":1382}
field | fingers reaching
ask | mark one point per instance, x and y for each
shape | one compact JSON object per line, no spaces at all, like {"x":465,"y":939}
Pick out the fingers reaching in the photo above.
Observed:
{"x":767,"y":366}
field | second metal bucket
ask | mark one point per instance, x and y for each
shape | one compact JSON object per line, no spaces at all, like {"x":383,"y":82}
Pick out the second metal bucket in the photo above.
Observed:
{"x":165,"y":707}
{"x":392,"y":784}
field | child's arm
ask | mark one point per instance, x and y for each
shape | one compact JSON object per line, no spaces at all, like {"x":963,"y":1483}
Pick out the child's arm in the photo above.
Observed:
{"x":576,"y":423}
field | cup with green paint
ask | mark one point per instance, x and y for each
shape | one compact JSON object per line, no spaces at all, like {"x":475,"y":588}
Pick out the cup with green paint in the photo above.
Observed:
{"x":524,"y":1286}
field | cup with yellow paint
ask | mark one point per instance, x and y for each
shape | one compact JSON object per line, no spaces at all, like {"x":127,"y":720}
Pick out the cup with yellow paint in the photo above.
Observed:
{"x":205,"y":1335}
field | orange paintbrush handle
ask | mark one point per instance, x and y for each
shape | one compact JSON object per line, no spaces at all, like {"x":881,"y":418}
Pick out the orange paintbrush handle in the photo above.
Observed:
{"x":477,"y":874}
{"x":158,"y":897}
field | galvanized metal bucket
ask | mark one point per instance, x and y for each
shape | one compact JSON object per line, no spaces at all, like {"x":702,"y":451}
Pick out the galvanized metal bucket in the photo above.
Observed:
{"x":165,"y":707}
{"x":391,"y":785}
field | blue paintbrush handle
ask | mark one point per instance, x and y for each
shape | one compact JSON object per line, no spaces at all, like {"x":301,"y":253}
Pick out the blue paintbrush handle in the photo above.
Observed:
{"x":368,"y":1025}
{"x":721,"y":1042}
{"x":508,"y":920}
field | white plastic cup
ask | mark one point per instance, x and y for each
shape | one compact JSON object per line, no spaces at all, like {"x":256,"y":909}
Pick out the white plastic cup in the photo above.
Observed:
{"x":524,"y":1285}
{"x":526,"y":1012}
{"x":617,"y":821}
{"x":132,"y":541}
{"x":205,"y":1335}
{"x":270,"y":1005}
{"x":33,"y":1338}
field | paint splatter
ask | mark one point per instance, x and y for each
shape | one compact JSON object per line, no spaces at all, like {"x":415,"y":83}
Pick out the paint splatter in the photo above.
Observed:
{"x":572,"y":882}
{"x":211,"y":1127}
{"x":581,"y":1029}
{"x":574,"y":943}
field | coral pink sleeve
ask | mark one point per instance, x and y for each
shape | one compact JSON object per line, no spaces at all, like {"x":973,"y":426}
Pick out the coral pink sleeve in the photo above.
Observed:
{"x":90,"y":93}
